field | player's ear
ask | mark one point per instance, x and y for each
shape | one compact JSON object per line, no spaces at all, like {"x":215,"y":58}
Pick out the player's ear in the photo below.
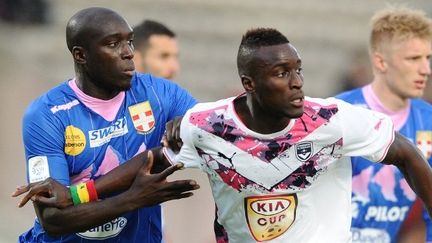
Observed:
{"x":78,"y":54}
{"x":379,"y":62}
{"x":248,"y":83}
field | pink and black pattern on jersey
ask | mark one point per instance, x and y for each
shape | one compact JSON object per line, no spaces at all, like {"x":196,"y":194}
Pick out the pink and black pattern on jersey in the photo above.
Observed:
{"x":215,"y":122}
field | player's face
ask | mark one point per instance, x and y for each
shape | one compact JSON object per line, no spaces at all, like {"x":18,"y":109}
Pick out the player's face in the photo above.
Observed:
{"x":279,"y":81}
{"x":159,"y":58}
{"x":109,"y":63}
{"x":408,"y":67}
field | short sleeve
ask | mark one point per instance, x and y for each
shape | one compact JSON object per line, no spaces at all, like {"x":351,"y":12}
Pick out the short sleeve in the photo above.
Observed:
{"x":366,"y":133}
{"x":180,"y":101}
{"x":43,"y":140}
{"x":188,"y":154}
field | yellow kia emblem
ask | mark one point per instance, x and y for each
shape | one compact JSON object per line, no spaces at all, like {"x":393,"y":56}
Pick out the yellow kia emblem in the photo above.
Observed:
{"x":268,"y":217}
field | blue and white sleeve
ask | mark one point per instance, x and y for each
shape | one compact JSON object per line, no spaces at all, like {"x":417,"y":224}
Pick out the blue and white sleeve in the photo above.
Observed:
{"x":44,"y":146}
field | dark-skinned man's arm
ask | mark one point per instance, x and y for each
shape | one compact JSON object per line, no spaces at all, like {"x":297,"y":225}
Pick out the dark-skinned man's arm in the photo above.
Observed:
{"x":410,"y":161}
{"x":53,"y":194}
{"x":144,"y":189}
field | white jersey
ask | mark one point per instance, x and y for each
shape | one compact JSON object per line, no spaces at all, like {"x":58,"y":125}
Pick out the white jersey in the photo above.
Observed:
{"x":290,"y":186}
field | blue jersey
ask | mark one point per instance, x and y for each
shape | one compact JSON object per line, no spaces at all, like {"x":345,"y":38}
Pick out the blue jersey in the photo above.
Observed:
{"x":67,"y":141}
{"x":381,"y":197}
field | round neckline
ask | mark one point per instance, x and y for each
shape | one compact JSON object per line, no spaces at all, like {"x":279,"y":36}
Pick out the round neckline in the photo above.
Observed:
{"x":243,"y":127}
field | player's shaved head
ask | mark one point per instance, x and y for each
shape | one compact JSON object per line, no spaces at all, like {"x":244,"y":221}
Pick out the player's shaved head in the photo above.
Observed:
{"x":88,"y":23}
{"x":251,"y":42}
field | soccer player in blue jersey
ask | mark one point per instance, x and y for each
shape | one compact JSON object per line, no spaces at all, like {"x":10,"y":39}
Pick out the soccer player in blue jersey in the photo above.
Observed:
{"x":400,"y":52}
{"x":86,"y":126}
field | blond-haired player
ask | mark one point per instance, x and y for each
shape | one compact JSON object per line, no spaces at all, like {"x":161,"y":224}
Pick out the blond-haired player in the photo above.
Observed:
{"x":400,"y":51}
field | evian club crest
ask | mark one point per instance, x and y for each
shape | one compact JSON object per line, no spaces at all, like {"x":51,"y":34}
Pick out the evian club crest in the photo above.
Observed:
{"x":303,"y":151}
{"x":424,"y":142}
{"x":142,"y":117}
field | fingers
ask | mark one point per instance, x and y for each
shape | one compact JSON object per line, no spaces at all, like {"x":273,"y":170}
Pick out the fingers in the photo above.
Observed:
{"x":168,"y":171}
{"x":172,"y":134}
{"x":182,"y":185}
{"x":149,"y":163}
{"x":46,"y":201}
{"x":20,"y":190}
{"x":34,"y":190}
{"x":176,"y":129}
{"x":178,"y":189}
{"x":177,"y":139}
{"x":164,"y":141}
{"x":168,"y":130}
{"x":179,"y":186}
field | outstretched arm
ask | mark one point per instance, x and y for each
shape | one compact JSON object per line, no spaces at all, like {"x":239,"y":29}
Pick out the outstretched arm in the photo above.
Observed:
{"x":410,"y":161}
{"x":51,"y":193}
{"x":146,"y":190}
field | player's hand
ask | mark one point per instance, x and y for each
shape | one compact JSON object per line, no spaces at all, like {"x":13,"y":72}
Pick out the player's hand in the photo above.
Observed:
{"x":171,"y":137}
{"x":48,"y":192}
{"x":151,"y":189}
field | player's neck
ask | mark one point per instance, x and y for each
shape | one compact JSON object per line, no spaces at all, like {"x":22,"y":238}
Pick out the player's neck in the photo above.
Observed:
{"x":388,"y":98}
{"x":258,"y":120}
{"x":89,"y":88}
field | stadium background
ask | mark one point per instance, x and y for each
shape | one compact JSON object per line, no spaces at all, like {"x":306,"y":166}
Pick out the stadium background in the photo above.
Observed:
{"x":34,"y":57}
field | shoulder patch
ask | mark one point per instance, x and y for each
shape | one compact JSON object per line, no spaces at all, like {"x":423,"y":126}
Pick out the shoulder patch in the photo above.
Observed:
{"x":38,"y":169}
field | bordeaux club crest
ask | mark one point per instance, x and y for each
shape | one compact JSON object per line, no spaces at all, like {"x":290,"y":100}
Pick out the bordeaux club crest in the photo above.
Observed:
{"x":303,"y":151}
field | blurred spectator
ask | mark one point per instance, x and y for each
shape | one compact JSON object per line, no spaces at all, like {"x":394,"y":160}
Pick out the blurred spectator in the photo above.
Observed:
{"x":24,"y":11}
{"x":358,"y":72}
{"x":156,"y":50}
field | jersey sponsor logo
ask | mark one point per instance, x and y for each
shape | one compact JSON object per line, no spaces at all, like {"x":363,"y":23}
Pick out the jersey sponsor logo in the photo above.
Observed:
{"x":105,"y":231}
{"x":38,"y":169}
{"x":64,"y":107}
{"x":75,"y":141}
{"x":102,"y":136}
{"x":268,"y":217}
{"x":386,"y":213}
{"x":369,"y":235}
{"x":304,"y":151}
{"x":142,"y":117}
{"x":424,"y":142}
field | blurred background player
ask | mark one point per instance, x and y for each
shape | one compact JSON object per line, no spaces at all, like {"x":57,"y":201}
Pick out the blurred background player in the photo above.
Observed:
{"x":400,"y":51}
{"x":156,"y":50}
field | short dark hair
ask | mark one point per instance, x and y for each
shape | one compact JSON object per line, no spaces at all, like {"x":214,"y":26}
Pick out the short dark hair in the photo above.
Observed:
{"x":252,"y":40}
{"x":82,"y":25}
{"x":147,"y":28}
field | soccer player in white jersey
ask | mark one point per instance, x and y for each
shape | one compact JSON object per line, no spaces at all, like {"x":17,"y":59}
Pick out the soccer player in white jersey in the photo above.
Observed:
{"x":277,"y":161}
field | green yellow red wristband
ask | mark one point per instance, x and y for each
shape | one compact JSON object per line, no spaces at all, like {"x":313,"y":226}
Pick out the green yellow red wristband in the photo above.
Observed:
{"x":83,"y":192}
{"x":92,"y":191}
{"x":74,"y":194}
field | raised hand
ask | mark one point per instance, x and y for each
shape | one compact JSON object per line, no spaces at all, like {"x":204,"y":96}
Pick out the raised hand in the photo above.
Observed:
{"x":147,"y":189}
{"x":150,"y":189}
